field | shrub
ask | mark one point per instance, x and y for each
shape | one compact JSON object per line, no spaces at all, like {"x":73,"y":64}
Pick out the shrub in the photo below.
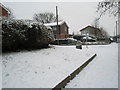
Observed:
{"x":17,"y":35}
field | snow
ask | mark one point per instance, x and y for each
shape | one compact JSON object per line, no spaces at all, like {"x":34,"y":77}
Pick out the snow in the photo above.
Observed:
{"x":71,"y":39}
{"x":100,"y":73}
{"x":54,"y":23}
{"x":87,"y":38}
{"x":43,"y":68}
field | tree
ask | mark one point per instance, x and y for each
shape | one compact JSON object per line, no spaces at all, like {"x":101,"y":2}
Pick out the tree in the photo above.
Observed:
{"x":96,"y":23}
{"x":104,"y":32}
{"x":110,"y":6}
{"x":46,"y":17}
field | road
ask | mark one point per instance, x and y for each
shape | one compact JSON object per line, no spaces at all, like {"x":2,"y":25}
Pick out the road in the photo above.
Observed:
{"x":102,"y":72}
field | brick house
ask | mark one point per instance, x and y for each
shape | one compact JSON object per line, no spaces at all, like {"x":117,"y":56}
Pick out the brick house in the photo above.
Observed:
{"x":4,"y":12}
{"x":62,"y":31}
{"x":92,"y":31}
{"x":4,"y":15}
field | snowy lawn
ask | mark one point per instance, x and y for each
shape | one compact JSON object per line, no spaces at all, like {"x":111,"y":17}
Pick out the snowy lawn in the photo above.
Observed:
{"x":43,"y":68}
{"x":102,"y":72}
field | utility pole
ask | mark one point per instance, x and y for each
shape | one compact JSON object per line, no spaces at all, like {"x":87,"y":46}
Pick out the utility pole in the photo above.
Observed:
{"x":116,"y":30}
{"x":114,"y":34}
{"x":118,"y":20}
{"x":87,"y":34}
{"x":57,"y":23}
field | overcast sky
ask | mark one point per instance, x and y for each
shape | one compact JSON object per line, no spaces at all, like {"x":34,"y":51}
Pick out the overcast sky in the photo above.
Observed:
{"x":76,"y":14}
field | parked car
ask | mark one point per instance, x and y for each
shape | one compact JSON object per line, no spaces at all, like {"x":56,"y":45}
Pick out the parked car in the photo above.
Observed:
{"x":88,"y":39}
{"x":79,"y":45}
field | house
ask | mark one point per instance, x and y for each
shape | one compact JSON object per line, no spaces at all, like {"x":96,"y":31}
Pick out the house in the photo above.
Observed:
{"x":91,"y":31}
{"x":4,"y":12}
{"x":62,"y":31}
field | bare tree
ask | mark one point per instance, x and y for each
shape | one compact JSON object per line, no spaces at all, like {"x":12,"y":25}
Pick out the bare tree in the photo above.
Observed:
{"x":110,"y":6}
{"x":104,"y":33}
{"x":96,"y":23}
{"x":46,"y":17}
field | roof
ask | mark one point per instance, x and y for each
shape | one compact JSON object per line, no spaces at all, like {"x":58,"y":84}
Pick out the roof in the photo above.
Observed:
{"x":4,"y":7}
{"x":90,"y":27}
{"x":54,"y":23}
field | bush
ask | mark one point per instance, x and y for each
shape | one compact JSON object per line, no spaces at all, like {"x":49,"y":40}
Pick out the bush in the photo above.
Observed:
{"x":16,"y":35}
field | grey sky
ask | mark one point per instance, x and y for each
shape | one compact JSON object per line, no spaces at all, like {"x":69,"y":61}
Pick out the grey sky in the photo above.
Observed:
{"x":76,"y":14}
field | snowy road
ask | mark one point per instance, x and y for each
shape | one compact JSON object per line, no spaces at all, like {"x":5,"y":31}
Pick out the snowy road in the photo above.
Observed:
{"x":102,"y":72}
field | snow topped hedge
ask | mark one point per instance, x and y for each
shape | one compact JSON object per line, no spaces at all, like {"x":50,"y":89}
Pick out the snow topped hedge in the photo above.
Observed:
{"x":18,"y":35}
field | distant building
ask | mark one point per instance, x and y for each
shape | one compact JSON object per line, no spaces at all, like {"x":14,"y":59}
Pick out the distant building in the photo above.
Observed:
{"x":91,"y":31}
{"x":62,"y":31}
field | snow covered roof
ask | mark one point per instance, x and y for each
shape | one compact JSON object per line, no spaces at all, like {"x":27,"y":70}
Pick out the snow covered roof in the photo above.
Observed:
{"x":5,"y":8}
{"x":54,"y":23}
{"x":90,"y":27}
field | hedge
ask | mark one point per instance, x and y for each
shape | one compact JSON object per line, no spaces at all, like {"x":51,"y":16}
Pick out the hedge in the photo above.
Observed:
{"x":17,"y":35}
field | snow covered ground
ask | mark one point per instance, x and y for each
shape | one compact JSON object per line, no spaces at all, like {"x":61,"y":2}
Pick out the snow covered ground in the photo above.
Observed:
{"x":41,"y":68}
{"x":102,"y":72}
